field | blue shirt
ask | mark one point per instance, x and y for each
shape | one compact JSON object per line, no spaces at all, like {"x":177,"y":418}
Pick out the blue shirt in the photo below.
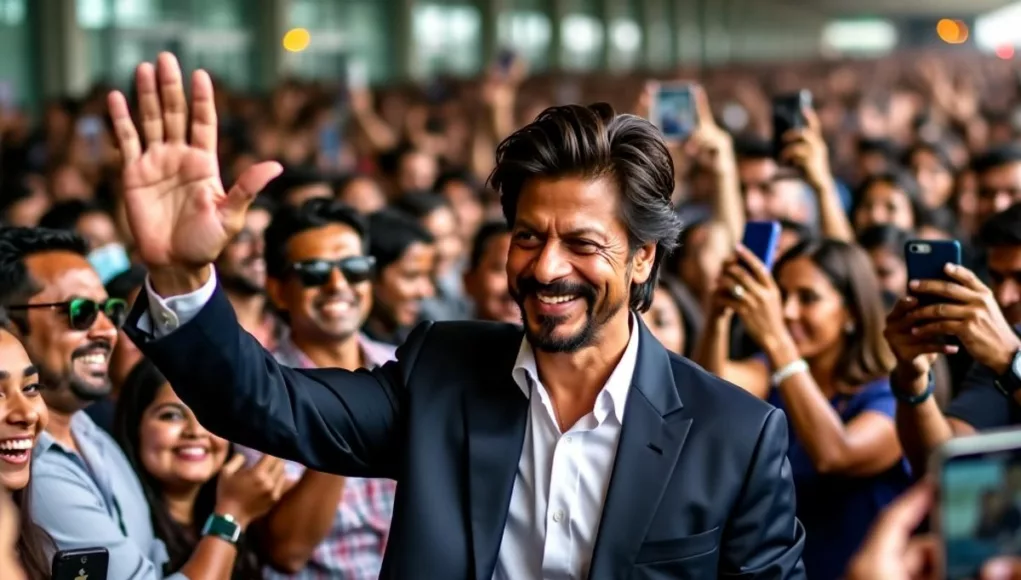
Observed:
{"x":838,"y":510}
{"x":94,"y":500}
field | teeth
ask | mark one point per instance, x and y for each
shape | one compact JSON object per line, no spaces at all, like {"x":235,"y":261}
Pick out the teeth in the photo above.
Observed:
{"x":94,"y":359}
{"x":16,"y":445}
{"x":556,"y":299}
{"x":192,"y":451}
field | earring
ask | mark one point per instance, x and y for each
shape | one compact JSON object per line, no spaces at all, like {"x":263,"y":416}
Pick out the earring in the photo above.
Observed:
{"x":849,"y":328}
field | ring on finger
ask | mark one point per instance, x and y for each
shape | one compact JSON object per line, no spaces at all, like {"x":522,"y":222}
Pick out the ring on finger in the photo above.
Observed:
{"x":738,"y":291}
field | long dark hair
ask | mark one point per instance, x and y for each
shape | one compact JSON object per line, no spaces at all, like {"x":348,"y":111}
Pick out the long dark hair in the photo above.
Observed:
{"x":140,"y":390}
{"x":867,"y":356}
{"x":34,"y":544}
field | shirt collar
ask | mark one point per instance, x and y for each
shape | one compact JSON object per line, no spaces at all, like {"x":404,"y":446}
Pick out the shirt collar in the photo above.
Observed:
{"x":614,"y":392}
{"x":82,"y":429}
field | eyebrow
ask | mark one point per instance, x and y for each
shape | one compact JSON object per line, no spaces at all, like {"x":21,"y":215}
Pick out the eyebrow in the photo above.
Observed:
{"x":575,"y":233}
{"x":29,"y":371}
{"x":175,"y":406}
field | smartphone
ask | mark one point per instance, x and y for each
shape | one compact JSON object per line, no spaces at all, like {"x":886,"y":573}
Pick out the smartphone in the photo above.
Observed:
{"x":978,"y":513}
{"x":357,"y":77}
{"x":788,"y":113}
{"x":926,"y":259}
{"x":83,"y":564}
{"x":673,"y":111}
{"x":762,"y":239}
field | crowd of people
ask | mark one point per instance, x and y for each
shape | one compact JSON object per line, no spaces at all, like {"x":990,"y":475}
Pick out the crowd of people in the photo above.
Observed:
{"x":354,"y":219}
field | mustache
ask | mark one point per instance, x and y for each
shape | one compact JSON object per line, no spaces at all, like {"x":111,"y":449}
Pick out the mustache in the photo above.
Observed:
{"x":527,"y":285}
{"x":327,"y":296}
{"x":102,"y":345}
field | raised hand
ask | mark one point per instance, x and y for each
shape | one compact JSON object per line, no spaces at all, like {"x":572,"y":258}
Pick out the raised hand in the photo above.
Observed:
{"x":178,"y":211}
{"x":248,"y":493}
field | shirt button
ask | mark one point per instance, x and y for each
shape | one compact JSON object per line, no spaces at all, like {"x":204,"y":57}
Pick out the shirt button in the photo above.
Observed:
{"x":569,"y":439}
{"x":558,"y":516}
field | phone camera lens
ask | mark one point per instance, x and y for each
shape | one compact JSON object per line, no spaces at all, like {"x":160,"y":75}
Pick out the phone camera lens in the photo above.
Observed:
{"x":85,"y":559}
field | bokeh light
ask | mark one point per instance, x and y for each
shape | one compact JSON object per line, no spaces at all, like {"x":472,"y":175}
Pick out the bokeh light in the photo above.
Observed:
{"x":952,"y":31}
{"x":296,"y":39}
{"x":1005,"y":51}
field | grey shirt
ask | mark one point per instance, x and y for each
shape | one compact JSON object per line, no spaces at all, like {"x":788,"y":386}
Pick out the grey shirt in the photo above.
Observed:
{"x":94,"y":499}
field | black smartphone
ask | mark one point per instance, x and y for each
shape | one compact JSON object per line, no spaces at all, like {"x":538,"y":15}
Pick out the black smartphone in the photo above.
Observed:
{"x":926,"y":260}
{"x":82,"y":564}
{"x":789,"y":113}
{"x":762,"y":239}
{"x":978,"y":514}
{"x":674,"y":111}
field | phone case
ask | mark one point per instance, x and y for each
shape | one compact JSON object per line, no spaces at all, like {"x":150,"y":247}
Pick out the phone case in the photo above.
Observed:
{"x":926,"y":259}
{"x":762,"y":239}
{"x":84,"y":564}
{"x":673,"y":111}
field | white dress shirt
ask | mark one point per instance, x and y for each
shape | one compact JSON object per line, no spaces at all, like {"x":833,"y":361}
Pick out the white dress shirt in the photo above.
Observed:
{"x":562,"y":478}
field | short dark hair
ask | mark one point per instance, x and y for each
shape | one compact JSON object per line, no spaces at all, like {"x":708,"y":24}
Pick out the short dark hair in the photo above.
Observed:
{"x":65,"y":215}
{"x":480,"y":242}
{"x":866,"y":357}
{"x":1003,"y":229}
{"x":458,"y":174}
{"x":802,"y":231}
{"x":884,"y":236}
{"x":595,"y":142}
{"x":17,"y":244}
{"x":753,"y":148}
{"x":264,"y":202}
{"x":392,"y":233}
{"x":996,"y":157}
{"x":897,"y":179}
{"x":289,"y":221}
{"x":292,"y":178}
{"x":938,"y":150}
{"x":420,"y":204}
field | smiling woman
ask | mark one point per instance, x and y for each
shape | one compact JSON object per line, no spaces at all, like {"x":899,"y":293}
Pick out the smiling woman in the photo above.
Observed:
{"x":23,"y":416}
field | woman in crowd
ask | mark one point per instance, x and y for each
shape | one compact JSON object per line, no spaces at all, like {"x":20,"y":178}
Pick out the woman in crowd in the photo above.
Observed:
{"x":888,"y":198}
{"x":185,"y":475}
{"x":665,"y":318}
{"x":824,"y":361}
{"x":932,"y":168}
{"x":884,"y":245}
{"x":23,"y":416}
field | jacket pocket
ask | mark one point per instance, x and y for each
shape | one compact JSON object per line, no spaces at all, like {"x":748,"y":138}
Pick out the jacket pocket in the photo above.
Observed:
{"x":678,"y":548}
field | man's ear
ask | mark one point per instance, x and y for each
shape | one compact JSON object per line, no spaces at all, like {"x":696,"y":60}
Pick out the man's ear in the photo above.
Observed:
{"x":641,"y":263}
{"x":275,"y":293}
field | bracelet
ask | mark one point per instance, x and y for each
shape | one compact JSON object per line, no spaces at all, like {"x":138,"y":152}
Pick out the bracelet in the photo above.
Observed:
{"x":789,"y":370}
{"x":914,"y":400}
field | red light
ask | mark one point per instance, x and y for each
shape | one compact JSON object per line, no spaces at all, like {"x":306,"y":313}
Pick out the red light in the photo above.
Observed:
{"x":1006,"y":52}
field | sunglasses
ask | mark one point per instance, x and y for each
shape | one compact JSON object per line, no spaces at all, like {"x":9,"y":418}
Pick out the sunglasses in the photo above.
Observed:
{"x":355,"y":269}
{"x":83,"y":312}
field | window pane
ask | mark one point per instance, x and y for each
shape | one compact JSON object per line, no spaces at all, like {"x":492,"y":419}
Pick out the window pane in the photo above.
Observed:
{"x":448,"y":38}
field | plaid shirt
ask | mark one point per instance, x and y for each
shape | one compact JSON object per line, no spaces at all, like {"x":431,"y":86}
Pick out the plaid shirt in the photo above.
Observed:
{"x":353,"y":549}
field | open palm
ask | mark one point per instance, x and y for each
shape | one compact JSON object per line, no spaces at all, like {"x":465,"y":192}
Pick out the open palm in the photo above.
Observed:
{"x":176,"y":205}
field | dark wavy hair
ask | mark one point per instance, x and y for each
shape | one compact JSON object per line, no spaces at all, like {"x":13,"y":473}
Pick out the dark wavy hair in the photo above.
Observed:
{"x":140,"y":389}
{"x":594,"y":142}
{"x":867,"y":357}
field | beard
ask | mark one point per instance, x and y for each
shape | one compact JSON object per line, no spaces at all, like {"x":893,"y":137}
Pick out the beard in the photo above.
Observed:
{"x":239,"y":284}
{"x":545,"y":337}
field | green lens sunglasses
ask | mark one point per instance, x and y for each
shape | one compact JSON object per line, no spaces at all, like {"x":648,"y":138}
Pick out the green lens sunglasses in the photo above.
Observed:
{"x":82,"y":312}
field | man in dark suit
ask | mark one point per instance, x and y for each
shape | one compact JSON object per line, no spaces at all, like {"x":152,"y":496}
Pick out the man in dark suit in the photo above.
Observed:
{"x":576,"y":448}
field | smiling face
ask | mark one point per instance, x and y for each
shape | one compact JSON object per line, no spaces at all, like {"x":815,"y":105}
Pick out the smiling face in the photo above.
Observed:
{"x":72,"y":363}
{"x":884,"y":203}
{"x":333,"y":311}
{"x":22,"y":412}
{"x":173,"y":447}
{"x":569,"y":264}
{"x":404,"y":284}
{"x":487,"y":283}
{"x":812,"y":308}
{"x":242,"y":265}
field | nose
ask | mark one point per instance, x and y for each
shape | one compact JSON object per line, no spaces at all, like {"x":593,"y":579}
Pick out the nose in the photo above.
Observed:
{"x":1008,"y":293}
{"x":550,"y":265}
{"x":21,"y":411}
{"x":425,"y":288}
{"x":337,"y":282}
{"x":103,"y":328}
{"x":791,"y":310}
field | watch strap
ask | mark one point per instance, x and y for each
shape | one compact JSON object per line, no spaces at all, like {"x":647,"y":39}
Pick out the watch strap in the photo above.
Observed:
{"x":1009,"y":383}
{"x":915,"y":399}
{"x":222,"y":526}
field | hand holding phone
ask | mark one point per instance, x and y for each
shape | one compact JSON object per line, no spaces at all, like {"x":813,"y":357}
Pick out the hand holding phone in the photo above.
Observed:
{"x":762,"y":238}
{"x":927,"y":260}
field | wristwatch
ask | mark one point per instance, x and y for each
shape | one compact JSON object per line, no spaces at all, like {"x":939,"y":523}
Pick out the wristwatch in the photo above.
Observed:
{"x":1009,"y":382}
{"x":223,"y":526}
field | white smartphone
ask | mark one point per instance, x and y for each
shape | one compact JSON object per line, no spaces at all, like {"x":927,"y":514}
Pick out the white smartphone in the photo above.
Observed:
{"x":357,"y":75}
{"x":673,"y":110}
{"x":978,"y":515}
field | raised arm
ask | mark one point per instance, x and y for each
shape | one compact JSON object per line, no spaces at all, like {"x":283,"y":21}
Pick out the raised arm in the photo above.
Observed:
{"x":182,"y":218}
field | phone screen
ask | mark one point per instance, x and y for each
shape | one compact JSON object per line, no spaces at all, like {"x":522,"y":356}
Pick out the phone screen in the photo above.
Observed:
{"x":980,"y":510}
{"x":788,"y":114}
{"x":675,"y":112}
{"x":762,"y":239}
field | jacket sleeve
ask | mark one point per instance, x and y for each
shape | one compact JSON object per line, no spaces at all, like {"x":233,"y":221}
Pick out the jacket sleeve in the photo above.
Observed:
{"x":764,"y":538}
{"x":332,"y":420}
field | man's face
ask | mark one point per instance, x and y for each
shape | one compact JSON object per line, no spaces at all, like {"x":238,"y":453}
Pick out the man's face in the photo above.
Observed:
{"x":364,"y":195}
{"x":998,"y":189}
{"x":330,"y":312}
{"x":73,"y":364}
{"x":1005,"y":271}
{"x":442,"y":224}
{"x":569,"y":265}
{"x":466,"y":205}
{"x":417,"y":172}
{"x":98,"y":229}
{"x":757,"y":179}
{"x":403,"y":285}
{"x":242,"y":267}
{"x":487,"y":283}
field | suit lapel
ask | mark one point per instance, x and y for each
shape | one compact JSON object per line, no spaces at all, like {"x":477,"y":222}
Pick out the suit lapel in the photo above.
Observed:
{"x":495,"y":418}
{"x":651,"y":439}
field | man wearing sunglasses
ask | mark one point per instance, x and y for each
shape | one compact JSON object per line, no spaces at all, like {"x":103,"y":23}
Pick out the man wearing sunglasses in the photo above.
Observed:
{"x":85,"y":493}
{"x":575,"y":447}
{"x":319,"y":278}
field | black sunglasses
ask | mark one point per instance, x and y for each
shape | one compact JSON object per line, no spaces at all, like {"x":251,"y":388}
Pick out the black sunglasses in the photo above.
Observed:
{"x":82,"y":312}
{"x":317,"y":272}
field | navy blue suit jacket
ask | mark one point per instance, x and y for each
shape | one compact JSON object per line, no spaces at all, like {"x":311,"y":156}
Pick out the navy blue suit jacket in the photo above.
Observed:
{"x":701,"y":487}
